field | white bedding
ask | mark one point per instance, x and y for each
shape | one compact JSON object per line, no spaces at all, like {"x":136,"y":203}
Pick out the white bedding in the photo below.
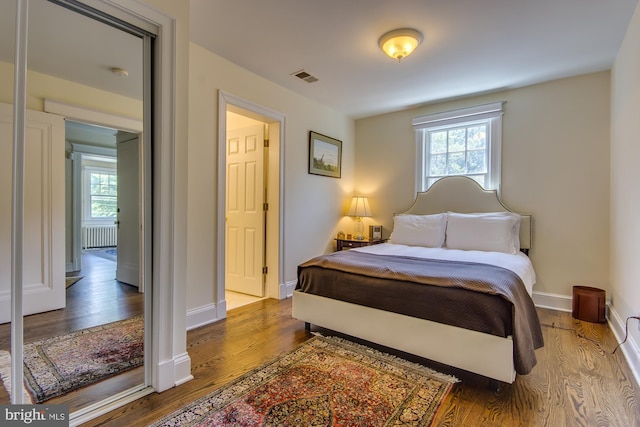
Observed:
{"x":520,"y":264}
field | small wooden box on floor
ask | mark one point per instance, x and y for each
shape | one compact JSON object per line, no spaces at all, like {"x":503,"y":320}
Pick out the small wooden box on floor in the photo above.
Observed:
{"x":589,"y":304}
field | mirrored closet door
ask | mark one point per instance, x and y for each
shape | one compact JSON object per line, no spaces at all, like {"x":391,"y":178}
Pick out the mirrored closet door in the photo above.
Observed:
{"x":84,"y":260}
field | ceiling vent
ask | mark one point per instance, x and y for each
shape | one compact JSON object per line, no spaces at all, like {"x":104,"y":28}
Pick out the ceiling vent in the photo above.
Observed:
{"x":303,"y":75}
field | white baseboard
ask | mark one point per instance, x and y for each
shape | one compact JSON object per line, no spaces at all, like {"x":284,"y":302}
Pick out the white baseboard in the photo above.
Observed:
{"x":552,"y":301}
{"x":165,"y":372}
{"x":205,"y":315}
{"x":287,"y":289}
{"x":173,"y":372}
{"x":630,"y":349}
{"x":182,"y":363}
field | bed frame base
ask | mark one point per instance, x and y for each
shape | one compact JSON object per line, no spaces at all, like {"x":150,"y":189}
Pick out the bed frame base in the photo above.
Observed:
{"x":472,"y":351}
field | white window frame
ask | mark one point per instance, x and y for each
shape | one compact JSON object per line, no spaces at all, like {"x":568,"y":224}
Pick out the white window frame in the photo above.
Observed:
{"x":87,"y":218}
{"x":491,"y":114}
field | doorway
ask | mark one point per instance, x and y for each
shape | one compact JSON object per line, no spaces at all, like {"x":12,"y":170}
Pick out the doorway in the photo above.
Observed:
{"x":246,"y":209}
{"x":259,"y":230}
{"x":102,"y":199}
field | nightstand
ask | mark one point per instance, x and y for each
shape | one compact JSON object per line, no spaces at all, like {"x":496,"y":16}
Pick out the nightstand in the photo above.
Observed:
{"x":344,"y":244}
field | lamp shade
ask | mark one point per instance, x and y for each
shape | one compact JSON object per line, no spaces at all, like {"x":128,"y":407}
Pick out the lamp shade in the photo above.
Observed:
{"x":359,"y":207}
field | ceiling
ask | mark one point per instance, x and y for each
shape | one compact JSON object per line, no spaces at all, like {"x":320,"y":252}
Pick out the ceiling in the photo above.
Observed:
{"x":469,"y":47}
{"x":65,"y":44}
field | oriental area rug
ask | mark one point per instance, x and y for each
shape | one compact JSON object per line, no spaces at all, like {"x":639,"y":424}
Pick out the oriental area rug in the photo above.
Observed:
{"x":58,"y":365}
{"x":324,"y":382}
{"x":70,"y":280}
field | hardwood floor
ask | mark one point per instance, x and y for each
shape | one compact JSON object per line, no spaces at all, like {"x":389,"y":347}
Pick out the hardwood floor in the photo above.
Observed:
{"x":94,"y":300}
{"x":577,"y":382}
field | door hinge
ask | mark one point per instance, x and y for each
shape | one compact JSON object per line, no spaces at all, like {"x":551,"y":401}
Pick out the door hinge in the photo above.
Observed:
{"x":266,"y":143}
{"x":265,"y":269}
{"x":265,"y":206}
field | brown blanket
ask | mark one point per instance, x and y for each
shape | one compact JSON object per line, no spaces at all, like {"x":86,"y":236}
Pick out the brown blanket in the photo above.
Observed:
{"x":476,"y":296}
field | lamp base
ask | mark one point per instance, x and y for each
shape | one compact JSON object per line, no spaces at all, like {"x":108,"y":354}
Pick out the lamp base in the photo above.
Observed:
{"x":358,"y":233}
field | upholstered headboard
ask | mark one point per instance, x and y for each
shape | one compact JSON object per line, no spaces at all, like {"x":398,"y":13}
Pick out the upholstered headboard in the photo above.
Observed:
{"x":464,"y":195}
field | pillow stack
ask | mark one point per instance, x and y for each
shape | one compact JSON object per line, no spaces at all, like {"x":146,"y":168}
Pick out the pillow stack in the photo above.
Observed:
{"x":492,"y":231}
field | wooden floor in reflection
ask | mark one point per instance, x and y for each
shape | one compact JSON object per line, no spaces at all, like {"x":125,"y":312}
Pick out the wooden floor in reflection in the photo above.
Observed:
{"x":94,"y":300}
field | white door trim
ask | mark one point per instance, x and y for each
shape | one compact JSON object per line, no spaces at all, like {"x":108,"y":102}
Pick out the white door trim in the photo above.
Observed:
{"x":225,"y":100}
{"x":82,"y":114}
{"x":170,"y":363}
{"x":86,"y":115}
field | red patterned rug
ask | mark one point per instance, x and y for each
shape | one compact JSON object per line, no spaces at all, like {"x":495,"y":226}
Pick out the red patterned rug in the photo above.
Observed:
{"x":324,"y":382}
{"x":58,"y":365}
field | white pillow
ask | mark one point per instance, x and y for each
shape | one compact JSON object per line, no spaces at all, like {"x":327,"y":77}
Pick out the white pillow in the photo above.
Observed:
{"x":419,"y":230}
{"x":493,"y":231}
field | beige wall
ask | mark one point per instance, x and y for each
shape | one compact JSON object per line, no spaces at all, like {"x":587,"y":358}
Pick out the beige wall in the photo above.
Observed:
{"x":625,"y":190}
{"x":42,"y":86}
{"x":312,"y":204}
{"x":555,"y":166}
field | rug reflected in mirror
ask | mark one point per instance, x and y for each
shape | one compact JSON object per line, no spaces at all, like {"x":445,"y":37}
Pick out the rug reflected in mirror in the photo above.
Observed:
{"x":110,"y":253}
{"x":324,"y":382}
{"x":70,"y":280}
{"x":58,"y":365}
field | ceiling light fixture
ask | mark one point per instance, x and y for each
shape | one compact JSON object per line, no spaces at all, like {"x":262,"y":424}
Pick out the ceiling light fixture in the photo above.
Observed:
{"x":400,"y":43}
{"x":120,"y":72}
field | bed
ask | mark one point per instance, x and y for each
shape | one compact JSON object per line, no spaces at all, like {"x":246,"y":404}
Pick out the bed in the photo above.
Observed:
{"x":453,"y":284}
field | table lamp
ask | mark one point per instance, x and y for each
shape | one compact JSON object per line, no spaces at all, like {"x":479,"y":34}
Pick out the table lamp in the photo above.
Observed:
{"x":359,"y":208}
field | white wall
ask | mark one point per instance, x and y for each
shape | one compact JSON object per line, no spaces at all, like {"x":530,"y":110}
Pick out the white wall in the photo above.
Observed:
{"x":555,"y":166}
{"x":625,"y":190}
{"x":312,"y":204}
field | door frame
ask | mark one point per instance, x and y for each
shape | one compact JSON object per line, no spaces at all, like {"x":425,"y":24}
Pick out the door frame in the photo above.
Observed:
{"x":81,"y":114}
{"x":276,"y":288}
{"x":78,"y":152}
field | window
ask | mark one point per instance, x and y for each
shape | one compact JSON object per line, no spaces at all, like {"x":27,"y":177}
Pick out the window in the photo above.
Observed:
{"x":102,"y":192}
{"x":463,"y":142}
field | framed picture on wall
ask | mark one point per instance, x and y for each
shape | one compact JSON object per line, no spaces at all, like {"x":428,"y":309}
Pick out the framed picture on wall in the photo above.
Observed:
{"x":325,"y":155}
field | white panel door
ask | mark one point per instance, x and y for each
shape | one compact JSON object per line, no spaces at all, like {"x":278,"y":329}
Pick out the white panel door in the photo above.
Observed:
{"x":128,"y":254}
{"x":245,"y":214}
{"x":44,"y":216}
